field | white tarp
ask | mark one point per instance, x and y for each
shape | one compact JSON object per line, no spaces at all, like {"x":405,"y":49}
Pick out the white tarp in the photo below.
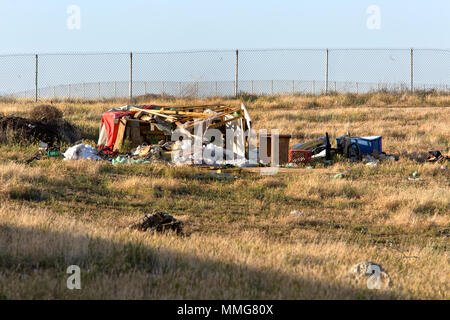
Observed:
{"x":81,"y":151}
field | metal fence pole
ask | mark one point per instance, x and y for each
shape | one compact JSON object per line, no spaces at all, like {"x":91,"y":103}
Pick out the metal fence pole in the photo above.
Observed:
{"x":131,"y":77}
{"x":36,"y":81}
{"x":326,"y":73}
{"x":236,"y":74}
{"x":411,"y":60}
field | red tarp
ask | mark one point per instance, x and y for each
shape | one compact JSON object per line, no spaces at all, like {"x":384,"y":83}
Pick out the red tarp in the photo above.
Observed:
{"x":110,"y":120}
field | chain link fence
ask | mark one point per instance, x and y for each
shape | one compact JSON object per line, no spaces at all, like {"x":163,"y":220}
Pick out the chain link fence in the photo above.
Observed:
{"x":223,"y":73}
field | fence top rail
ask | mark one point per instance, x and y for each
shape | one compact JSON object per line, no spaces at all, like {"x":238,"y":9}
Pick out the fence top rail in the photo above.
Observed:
{"x":214,"y":51}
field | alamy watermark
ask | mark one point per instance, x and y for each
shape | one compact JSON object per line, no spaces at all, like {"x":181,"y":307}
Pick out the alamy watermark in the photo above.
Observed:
{"x":374,"y":280}
{"x":240,"y":148}
{"x":373,"y":21}
{"x":74,"y":280}
{"x":73,"y":21}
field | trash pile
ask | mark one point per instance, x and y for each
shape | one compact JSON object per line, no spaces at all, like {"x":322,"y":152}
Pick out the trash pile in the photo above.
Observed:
{"x":45,"y":123}
{"x":45,"y":151}
{"x":158,"y":221}
{"x":145,"y":134}
{"x":197,"y":135}
{"x":355,"y":149}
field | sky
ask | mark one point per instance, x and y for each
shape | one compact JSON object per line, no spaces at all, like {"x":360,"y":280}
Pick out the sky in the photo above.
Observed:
{"x":49,"y":27}
{"x":32,"y":26}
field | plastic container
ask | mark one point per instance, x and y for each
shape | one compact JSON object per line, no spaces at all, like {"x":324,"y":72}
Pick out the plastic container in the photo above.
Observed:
{"x":52,"y":153}
{"x":367,"y":145}
{"x":296,"y":156}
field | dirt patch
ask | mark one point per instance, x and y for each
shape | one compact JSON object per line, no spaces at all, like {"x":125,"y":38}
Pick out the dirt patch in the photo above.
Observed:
{"x":45,"y":123}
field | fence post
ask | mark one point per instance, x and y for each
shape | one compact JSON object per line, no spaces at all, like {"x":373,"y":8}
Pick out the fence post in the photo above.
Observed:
{"x":271,"y":87}
{"x":215,"y":88}
{"x":162,"y":88}
{"x":68,"y":90}
{"x":314,"y":87}
{"x":293,"y":86}
{"x":326,"y":73}
{"x":236,"y":75}
{"x":357,"y":90}
{"x":411,"y":60}
{"x":131,"y":77}
{"x":36,"y":81}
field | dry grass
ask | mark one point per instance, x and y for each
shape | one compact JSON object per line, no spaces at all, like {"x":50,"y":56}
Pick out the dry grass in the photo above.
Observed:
{"x":241,"y":241}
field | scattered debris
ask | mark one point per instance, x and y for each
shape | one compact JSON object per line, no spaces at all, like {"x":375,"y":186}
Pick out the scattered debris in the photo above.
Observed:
{"x":373,"y":163}
{"x":45,"y":151}
{"x":82,"y":151}
{"x":436,"y":156}
{"x":364,"y":145}
{"x":339,"y":176}
{"x":296,"y":212}
{"x":415,"y":177}
{"x":284,"y":154}
{"x":349,"y":148}
{"x":297,"y":156}
{"x":304,"y":152}
{"x":121,"y":160}
{"x":143,"y":135}
{"x":146,"y":132}
{"x":158,"y":221}
{"x":328,"y":163}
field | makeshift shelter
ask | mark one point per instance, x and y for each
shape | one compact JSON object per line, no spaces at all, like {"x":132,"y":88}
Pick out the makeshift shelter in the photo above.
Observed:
{"x":149,"y":124}
{"x":110,"y":124}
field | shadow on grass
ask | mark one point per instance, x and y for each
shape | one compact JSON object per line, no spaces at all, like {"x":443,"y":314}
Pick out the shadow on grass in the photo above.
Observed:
{"x":143,"y":272}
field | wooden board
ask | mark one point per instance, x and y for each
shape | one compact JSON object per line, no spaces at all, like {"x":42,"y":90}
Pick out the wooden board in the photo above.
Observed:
{"x":120,"y":134}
